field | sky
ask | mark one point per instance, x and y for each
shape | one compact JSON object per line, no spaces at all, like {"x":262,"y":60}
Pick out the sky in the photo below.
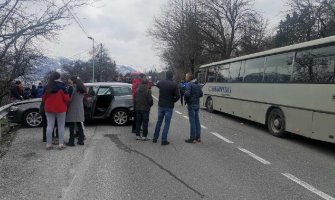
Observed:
{"x":122,"y":27}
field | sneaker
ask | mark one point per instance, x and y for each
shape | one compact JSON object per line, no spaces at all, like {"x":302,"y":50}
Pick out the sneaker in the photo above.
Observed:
{"x":154,"y":140}
{"x":49,"y":147}
{"x":80,"y":143}
{"x":61,"y":147}
{"x":165,"y":143}
{"x":190,"y":141}
{"x":138,"y":138}
{"x":198,"y":140}
{"x":145,"y":139}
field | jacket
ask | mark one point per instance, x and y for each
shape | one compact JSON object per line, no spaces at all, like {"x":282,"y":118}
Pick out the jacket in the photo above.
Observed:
{"x":143,"y":99}
{"x":75,"y":111}
{"x":182,"y":87}
{"x":16,"y":93}
{"x":168,"y":93}
{"x":193,"y":93}
{"x":134,"y":85}
{"x":56,"y":101}
{"x":39,"y":91}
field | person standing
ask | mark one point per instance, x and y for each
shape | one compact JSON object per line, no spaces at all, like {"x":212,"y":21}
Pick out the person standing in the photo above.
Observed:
{"x":55,"y":101}
{"x":192,"y":95}
{"x":136,"y":81}
{"x":33,"y":91}
{"x":168,"y":95}
{"x":182,"y":88}
{"x":143,"y":102}
{"x":75,"y":113}
{"x":16,"y":92}
{"x":39,"y":90}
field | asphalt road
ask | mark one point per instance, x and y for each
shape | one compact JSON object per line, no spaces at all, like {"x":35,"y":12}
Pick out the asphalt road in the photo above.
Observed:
{"x":237,"y":159}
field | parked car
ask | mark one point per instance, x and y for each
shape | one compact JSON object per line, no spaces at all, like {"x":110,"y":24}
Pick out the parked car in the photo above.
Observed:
{"x":109,"y":100}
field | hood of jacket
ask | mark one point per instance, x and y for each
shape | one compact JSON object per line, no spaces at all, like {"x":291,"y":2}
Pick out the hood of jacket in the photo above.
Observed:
{"x":57,"y":86}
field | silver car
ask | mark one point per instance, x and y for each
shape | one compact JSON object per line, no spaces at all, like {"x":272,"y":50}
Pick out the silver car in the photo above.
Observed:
{"x":109,"y":100}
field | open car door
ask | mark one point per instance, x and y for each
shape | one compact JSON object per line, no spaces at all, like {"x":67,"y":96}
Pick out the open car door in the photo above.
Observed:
{"x":102,"y":101}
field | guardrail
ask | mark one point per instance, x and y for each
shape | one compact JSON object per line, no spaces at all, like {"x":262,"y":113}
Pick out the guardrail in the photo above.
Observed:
{"x":4,"y":125}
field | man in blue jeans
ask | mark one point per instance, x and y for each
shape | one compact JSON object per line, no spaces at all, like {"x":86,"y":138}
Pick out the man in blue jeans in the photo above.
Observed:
{"x":168,"y":95}
{"x":192,"y":95}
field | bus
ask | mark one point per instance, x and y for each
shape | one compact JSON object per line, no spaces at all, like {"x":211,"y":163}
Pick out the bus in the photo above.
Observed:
{"x":288,"y":89}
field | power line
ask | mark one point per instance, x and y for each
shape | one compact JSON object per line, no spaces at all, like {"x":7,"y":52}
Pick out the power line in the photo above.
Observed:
{"x":76,"y":19}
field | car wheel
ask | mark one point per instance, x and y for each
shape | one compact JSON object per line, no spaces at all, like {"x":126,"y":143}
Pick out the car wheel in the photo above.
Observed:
{"x":209,"y":105}
{"x":120,"y":117}
{"x":276,"y":123}
{"x":32,"y":118}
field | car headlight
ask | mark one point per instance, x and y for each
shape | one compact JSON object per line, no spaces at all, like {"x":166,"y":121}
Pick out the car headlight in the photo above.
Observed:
{"x":13,"y":108}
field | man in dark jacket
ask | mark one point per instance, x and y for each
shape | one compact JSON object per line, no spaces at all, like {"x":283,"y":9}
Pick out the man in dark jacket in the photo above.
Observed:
{"x":143,"y":102}
{"x":192,"y":95}
{"x":168,"y":95}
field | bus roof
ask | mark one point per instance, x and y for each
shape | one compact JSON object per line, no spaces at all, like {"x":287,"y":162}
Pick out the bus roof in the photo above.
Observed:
{"x":276,"y":50}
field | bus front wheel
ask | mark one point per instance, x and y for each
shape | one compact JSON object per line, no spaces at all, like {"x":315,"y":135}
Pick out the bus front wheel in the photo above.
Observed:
{"x":209,"y":105}
{"x":276,"y":123}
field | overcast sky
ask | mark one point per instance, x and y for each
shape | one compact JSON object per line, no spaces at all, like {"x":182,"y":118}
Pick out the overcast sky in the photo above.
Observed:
{"x":121,"y":25}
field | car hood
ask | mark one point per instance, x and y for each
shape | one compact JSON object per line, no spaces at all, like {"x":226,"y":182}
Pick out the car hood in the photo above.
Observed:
{"x":27,"y":101}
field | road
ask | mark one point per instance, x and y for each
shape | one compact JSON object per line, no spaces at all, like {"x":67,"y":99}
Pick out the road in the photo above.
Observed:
{"x":237,"y":159}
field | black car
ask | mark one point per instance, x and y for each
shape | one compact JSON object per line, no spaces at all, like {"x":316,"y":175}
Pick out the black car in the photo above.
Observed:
{"x":110,"y":100}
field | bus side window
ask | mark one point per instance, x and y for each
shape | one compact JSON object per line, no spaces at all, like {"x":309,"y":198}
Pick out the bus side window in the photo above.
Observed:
{"x":211,"y":74}
{"x":235,"y":72}
{"x":315,"y":65}
{"x":303,"y":66}
{"x":278,"y":68}
{"x":253,"y":72}
{"x":223,"y":74}
{"x":202,"y":76}
{"x":323,"y":65}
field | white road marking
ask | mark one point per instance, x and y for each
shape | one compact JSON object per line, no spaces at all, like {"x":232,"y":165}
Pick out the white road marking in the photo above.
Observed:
{"x":154,"y":97}
{"x":308,"y":187}
{"x":222,"y":138}
{"x":265,"y":162}
{"x":178,"y":112}
{"x":204,"y":127}
{"x":185,"y":117}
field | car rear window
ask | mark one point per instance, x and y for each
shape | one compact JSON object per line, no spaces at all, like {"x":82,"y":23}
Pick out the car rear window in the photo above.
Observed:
{"x":121,"y":91}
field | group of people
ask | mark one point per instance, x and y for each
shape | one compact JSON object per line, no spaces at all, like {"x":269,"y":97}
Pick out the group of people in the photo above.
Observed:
{"x":64,"y":105}
{"x":18,"y":92}
{"x":169,"y":94}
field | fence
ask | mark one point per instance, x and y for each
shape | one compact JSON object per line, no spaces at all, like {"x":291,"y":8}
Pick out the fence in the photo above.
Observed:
{"x":4,"y":124}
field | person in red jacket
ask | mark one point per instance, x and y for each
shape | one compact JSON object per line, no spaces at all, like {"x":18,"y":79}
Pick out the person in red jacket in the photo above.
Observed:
{"x":136,"y":81}
{"x":55,"y":101}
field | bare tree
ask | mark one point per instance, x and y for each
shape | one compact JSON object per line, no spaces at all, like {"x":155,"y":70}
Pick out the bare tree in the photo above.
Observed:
{"x":224,"y":23}
{"x":105,"y":67}
{"x":23,"y":24}
{"x":178,"y":36}
{"x":254,"y":37}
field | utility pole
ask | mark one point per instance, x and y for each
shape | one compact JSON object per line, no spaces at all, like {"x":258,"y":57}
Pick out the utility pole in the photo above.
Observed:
{"x":100,"y":71}
{"x":91,"y":38}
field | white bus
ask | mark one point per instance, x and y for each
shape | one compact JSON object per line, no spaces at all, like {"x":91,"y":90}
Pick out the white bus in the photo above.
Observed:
{"x":289,"y":89}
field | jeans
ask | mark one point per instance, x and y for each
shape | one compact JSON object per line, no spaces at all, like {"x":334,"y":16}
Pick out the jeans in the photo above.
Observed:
{"x":193,"y":114}
{"x":167,"y":113}
{"x":142,"y":118}
{"x":51,"y":118}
